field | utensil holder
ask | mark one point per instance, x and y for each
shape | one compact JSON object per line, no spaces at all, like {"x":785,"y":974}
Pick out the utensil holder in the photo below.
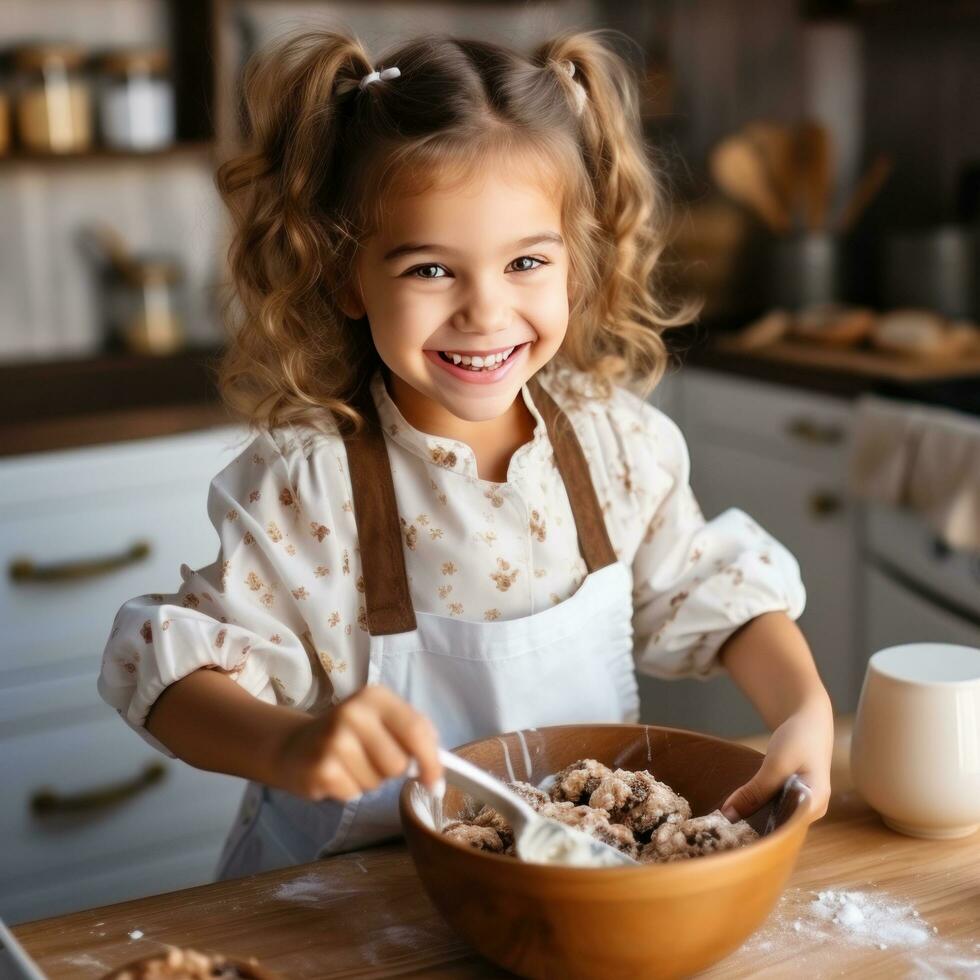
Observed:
{"x":806,"y":270}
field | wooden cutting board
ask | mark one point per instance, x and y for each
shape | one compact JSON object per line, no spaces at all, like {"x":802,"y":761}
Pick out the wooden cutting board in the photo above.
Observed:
{"x":365,"y":914}
{"x":864,"y":361}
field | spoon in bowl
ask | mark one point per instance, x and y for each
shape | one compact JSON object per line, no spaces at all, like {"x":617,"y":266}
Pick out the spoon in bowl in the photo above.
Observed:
{"x":537,"y":839}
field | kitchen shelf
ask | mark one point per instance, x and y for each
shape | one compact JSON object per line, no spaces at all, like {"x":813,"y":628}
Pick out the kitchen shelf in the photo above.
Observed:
{"x":187,"y":148}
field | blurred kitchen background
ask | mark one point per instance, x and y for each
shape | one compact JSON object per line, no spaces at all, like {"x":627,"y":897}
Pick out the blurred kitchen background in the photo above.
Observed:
{"x":825,"y":162}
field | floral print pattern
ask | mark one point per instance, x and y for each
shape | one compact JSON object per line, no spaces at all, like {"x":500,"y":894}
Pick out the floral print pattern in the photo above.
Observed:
{"x":282,"y":608}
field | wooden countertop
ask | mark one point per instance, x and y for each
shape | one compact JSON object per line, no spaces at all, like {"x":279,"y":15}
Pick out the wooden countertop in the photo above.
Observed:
{"x":366,"y":915}
{"x":85,"y":401}
{"x":844,"y":372}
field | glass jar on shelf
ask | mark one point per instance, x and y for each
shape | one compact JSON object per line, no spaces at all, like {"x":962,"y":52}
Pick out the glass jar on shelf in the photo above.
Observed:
{"x":145,"y":305}
{"x":53,"y":99}
{"x":136,"y":99}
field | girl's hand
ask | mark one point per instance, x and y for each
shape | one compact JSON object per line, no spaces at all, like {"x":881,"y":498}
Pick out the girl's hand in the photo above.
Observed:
{"x":368,"y":738}
{"x":803,"y":744}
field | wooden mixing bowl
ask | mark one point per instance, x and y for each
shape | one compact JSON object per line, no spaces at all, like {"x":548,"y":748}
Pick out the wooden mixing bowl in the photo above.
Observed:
{"x":655,"y":920}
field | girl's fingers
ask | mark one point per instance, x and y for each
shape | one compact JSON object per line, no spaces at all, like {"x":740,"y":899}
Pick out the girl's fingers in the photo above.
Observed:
{"x":347,"y":747}
{"x":754,"y":794}
{"x":418,"y":738}
{"x":381,"y":747}
{"x":336,"y":782}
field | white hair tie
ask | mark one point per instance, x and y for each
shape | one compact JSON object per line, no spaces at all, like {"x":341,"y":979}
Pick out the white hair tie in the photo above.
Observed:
{"x":375,"y":76}
{"x":580,"y":94}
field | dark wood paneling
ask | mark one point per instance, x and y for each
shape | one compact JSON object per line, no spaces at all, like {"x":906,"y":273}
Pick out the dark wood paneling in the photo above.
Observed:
{"x":922,"y":70}
{"x":191,"y":33}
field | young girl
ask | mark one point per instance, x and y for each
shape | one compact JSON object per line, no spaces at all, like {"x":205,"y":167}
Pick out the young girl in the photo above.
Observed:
{"x":456,"y":518}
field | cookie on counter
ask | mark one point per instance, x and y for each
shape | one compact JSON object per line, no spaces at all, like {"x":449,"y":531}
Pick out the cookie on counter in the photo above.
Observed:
{"x":178,"y":963}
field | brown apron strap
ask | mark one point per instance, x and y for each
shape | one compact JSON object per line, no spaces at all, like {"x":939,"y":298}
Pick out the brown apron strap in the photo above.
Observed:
{"x":386,"y":596}
{"x":593,"y":538}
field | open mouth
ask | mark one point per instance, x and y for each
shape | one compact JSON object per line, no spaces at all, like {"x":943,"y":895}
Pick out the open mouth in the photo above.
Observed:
{"x":477,"y":363}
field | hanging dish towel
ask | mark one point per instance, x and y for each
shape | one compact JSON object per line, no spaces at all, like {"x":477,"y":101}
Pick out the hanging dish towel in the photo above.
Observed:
{"x":920,"y":458}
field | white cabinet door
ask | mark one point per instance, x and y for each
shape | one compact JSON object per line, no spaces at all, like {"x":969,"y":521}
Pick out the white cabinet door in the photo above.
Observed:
{"x":811,"y":517}
{"x":109,"y":831}
{"x":82,"y":531}
{"x":112,"y":806}
{"x":789,"y":424}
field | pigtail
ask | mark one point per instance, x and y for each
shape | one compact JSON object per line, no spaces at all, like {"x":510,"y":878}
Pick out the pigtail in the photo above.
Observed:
{"x":287,"y":354}
{"x":630,"y":210}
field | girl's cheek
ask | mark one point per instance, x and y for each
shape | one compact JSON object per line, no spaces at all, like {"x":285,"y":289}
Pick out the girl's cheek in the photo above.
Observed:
{"x":405,"y":329}
{"x":549,"y":311}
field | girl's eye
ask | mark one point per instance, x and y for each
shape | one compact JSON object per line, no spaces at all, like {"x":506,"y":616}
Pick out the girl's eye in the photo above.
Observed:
{"x":419,"y":269}
{"x":416,"y":273}
{"x":528,"y":258}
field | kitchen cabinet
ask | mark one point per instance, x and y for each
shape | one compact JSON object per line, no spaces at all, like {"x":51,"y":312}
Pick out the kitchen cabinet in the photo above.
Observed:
{"x":90,"y":813}
{"x":780,"y":454}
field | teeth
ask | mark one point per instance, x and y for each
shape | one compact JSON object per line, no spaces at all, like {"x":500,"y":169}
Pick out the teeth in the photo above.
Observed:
{"x":478,"y":362}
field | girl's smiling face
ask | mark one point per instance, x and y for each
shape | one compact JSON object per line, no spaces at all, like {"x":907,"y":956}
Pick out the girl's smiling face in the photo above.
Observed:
{"x":475,"y":270}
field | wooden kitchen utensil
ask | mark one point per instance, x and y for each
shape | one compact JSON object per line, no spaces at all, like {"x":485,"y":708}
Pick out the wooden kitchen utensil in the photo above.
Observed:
{"x":739,"y":171}
{"x":653,"y":920}
{"x":776,"y":147}
{"x":871,"y":182}
{"x":815,"y":164}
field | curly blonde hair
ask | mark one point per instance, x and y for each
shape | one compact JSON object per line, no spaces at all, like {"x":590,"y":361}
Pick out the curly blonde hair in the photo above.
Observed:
{"x":323,"y":157}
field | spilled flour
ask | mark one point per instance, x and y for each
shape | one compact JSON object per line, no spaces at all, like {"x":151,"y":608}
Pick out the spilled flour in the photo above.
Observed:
{"x":305,"y":888}
{"x":811,"y":922}
{"x":871,"y":920}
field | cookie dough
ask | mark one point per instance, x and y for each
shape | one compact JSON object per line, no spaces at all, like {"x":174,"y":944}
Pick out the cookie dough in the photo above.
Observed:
{"x":632,"y":811}
{"x":676,"y":840}
{"x":483,"y":838}
{"x":638,"y":800}
{"x":576,"y":783}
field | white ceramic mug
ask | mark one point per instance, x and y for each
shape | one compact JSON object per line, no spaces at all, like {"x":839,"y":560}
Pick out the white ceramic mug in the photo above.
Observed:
{"x":915,"y":750}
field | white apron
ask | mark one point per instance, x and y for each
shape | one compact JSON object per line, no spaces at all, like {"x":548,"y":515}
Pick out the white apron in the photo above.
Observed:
{"x":571,"y":663}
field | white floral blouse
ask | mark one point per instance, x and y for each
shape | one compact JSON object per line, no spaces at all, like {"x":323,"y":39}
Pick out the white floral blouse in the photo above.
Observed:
{"x":281,"y":610}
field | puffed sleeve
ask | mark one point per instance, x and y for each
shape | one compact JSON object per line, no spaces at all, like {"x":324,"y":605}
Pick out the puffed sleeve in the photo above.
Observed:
{"x":239,"y":615}
{"x":697,"y":581}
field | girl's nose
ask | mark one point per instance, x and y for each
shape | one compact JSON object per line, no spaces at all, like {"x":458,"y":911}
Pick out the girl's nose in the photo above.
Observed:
{"x":483,"y":310}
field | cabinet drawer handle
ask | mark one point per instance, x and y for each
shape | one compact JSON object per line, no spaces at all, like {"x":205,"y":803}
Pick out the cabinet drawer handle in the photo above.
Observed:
{"x":48,"y":803}
{"x":24,"y":569}
{"x":825,"y":504}
{"x":806,"y":430}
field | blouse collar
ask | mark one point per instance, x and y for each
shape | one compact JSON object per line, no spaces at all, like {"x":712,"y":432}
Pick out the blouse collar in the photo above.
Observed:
{"x":451,"y":454}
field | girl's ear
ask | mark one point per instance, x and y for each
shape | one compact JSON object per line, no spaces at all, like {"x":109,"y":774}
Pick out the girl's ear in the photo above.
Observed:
{"x":350,"y":303}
